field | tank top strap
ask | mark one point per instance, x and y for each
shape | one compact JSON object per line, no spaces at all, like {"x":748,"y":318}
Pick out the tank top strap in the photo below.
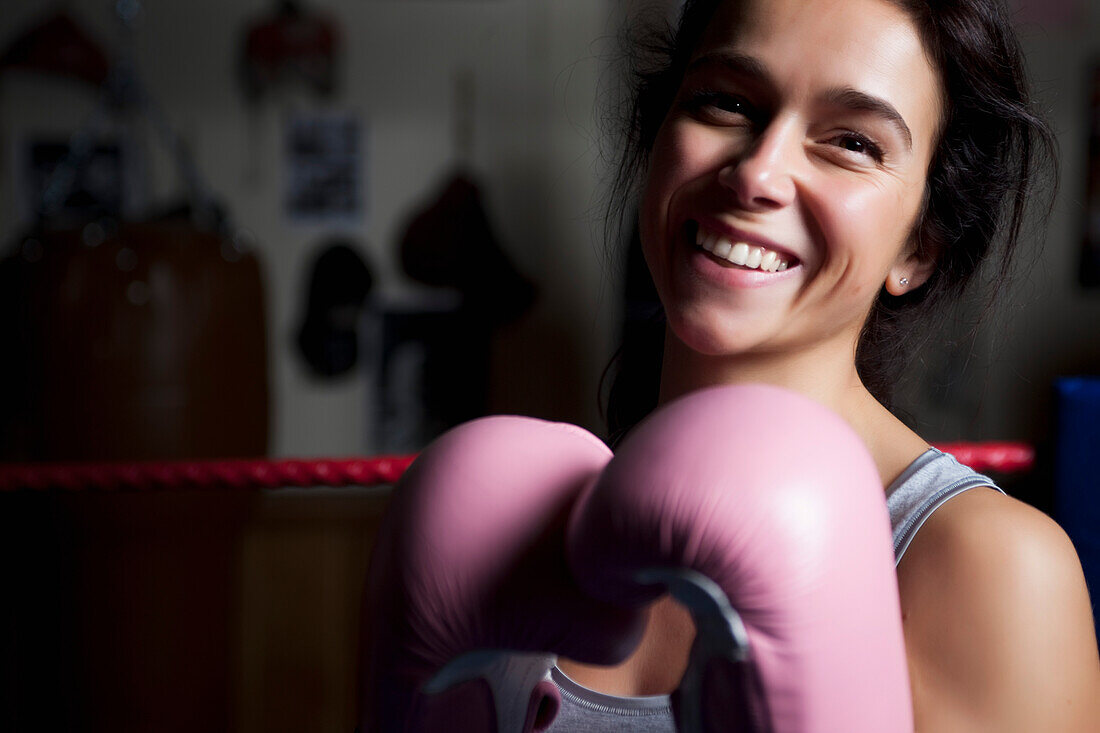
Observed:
{"x":922,"y":488}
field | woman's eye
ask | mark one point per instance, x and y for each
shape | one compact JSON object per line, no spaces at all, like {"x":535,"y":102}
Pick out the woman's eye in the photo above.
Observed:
{"x":719,"y":104}
{"x":728,"y":104}
{"x":854,"y":144}
{"x":859,"y":144}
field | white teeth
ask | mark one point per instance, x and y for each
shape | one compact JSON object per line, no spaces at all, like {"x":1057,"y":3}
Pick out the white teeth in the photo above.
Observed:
{"x":741,"y":253}
{"x":756,"y":255}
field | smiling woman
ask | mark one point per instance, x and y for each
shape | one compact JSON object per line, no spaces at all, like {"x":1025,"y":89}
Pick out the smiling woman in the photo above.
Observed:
{"x":815,"y":178}
{"x":987,"y":149}
{"x":777,"y":140}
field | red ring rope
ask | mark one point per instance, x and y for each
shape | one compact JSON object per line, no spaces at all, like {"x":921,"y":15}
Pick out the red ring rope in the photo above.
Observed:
{"x":265,"y":474}
{"x":999,"y":457}
{"x":238,"y":474}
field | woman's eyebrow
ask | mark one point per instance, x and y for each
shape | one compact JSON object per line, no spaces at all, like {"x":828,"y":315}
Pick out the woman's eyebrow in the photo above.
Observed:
{"x":739,"y":63}
{"x":861,"y":101}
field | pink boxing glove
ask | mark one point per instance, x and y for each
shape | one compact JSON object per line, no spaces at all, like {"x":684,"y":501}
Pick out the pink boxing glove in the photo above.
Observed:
{"x":764,"y":514}
{"x":469,"y":567}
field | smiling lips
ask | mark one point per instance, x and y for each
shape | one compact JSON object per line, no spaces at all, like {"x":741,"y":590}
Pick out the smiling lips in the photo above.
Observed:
{"x":751,"y":256}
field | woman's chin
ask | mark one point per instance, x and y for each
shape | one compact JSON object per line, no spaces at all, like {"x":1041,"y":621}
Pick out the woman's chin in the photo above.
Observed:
{"x":713,"y":339}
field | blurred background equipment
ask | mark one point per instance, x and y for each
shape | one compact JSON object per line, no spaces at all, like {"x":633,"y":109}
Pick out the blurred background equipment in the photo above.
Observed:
{"x":290,"y":45}
{"x":450,"y":243}
{"x":291,"y":56}
{"x":434,"y":341}
{"x":339,"y":282}
{"x":57,"y":45}
{"x":324,"y":162}
{"x":428,"y":364}
{"x":132,"y":338}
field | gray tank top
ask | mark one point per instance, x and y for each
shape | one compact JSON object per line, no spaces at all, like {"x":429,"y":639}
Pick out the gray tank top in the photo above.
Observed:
{"x":921,"y":488}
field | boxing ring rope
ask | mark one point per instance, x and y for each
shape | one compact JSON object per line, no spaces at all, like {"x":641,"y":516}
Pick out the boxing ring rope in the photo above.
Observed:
{"x":236,"y":474}
{"x":998,"y":457}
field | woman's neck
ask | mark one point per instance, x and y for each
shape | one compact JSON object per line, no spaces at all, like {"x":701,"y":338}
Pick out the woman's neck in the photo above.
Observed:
{"x":824,"y":372}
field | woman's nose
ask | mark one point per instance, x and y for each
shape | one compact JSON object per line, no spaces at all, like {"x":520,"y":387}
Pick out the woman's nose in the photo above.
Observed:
{"x":761,"y":176}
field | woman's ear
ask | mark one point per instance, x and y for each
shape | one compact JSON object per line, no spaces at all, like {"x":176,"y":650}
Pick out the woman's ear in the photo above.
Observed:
{"x":914,"y":265}
{"x":909,"y":273}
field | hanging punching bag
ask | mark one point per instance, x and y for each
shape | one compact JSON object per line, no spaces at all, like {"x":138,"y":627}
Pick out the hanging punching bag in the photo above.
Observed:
{"x":137,"y":341}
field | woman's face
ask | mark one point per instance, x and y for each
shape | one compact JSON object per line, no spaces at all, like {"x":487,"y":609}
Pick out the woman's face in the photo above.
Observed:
{"x":797,"y":146}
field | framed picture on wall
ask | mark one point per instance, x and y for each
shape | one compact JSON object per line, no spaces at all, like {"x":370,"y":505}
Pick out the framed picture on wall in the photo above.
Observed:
{"x":324,"y":165}
{"x":92,"y":184}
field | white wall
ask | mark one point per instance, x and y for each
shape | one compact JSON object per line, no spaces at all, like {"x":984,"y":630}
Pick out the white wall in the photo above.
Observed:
{"x":535,"y":65}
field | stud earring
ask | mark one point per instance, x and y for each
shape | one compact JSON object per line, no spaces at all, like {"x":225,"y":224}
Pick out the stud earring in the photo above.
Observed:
{"x":904,"y":281}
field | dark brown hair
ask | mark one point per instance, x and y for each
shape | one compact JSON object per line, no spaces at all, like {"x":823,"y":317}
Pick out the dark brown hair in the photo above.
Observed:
{"x":994,"y":151}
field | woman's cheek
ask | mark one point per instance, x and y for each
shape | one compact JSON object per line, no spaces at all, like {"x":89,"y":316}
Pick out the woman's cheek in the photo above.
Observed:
{"x":685,"y":150}
{"x":863,"y":223}
{"x":858,"y":202}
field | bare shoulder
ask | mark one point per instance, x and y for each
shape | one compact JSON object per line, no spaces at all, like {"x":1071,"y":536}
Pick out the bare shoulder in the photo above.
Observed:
{"x":997,"y":619}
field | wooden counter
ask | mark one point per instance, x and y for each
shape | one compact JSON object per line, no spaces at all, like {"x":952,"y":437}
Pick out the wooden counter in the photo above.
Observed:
{"x":183,"y":610}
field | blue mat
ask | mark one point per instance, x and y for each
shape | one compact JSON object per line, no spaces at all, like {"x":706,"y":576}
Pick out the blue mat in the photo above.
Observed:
{"x":1077,"y":473}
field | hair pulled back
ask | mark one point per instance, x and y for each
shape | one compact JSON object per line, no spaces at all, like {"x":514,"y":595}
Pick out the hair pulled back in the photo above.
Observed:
{"x":992,"y":151}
